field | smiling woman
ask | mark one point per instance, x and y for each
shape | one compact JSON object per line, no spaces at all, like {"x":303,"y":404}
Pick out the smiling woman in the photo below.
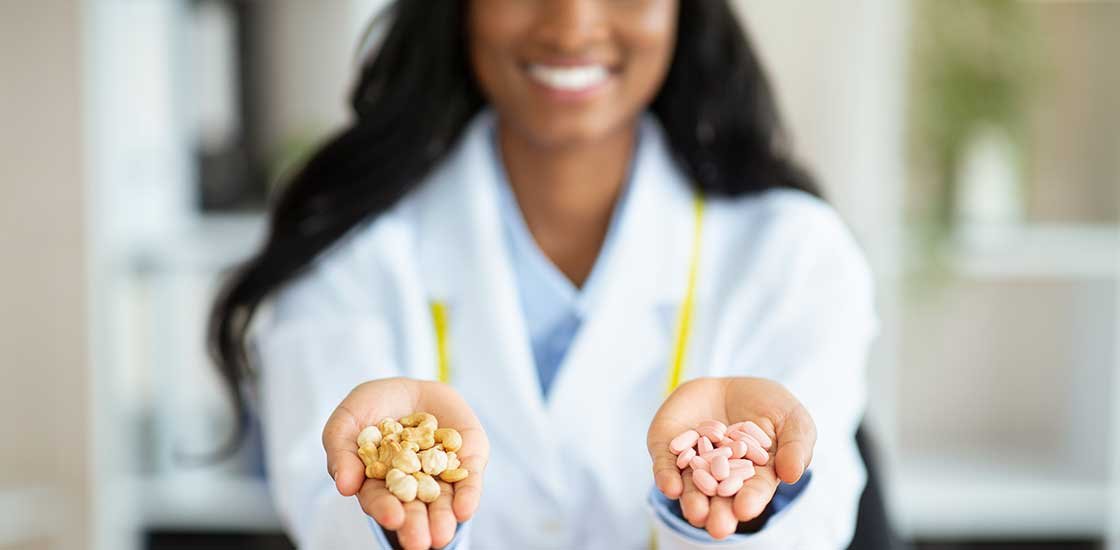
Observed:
{"x":542,"y":212}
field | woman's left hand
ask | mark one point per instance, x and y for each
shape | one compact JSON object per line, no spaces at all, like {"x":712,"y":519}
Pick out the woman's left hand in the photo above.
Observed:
{"x":730,"y":400}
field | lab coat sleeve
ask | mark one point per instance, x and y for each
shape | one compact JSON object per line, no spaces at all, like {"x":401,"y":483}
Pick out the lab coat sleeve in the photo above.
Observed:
{"x":319,"y":340}
{"x":306,"y":368}
{"x":815,"y":341}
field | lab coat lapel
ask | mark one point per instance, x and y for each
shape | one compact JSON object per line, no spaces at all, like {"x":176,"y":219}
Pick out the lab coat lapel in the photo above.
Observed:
{"x":466,"y":265}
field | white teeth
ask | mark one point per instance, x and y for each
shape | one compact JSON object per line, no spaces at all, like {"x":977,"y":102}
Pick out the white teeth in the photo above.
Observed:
{"x":569,"y":78}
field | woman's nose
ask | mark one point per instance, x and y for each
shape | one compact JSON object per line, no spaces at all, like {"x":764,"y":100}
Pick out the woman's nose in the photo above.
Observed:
{"x":570,"y":26}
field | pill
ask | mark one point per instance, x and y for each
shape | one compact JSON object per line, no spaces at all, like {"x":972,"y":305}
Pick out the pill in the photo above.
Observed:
{"x":722,"y":451}
{"x":725,"y":442}
{"x":705,"y":482}
{"x":756,"y":432}
{"x":683,"y":441}
{"x":728,"y":487}
{"x":738,"y":435}
{"x":704,"y":446}
{"x":713,"y":433}
{"x":739,"y":463}
{"x":745,"y":472}
{"x":685,"y":457}
{"x":720,"y":468}
{"x":698,"y":463}
{"x":756,"y":454}
{"x":738,"y":448}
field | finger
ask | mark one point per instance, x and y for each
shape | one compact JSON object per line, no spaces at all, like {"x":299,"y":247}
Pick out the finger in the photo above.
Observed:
{"x":378,"y":503}
{"x":754,"y":496}
{"x":468,"y":492}
{"x":441,"y":520}
{"x":796,"y":438}
{"x":340,"y":443}
{"x":721,"y":520}
{"x":414,"y":534}
{"x":694,"y":504}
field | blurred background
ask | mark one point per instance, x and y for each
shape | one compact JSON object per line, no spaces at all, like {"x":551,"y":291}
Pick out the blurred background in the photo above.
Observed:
{"x":973,"y":145}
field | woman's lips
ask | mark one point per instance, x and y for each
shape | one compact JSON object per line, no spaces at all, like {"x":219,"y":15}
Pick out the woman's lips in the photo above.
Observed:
{"x":570,"y":82}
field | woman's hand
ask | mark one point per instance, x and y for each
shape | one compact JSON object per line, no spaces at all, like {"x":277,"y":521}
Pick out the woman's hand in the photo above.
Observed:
{"x":731,"y":400}
{"x":418,"y":526}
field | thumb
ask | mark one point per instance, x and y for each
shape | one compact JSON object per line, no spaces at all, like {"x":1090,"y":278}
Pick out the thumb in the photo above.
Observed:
{"x":339,"y":442}
{"x":665,"y":472}
{"x":796,"y":438}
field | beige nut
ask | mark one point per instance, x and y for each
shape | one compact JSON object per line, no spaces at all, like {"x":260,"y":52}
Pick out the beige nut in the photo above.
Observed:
{"x":406,"y":461}
{"x":433,"y":461}
{"x":389,"y":426}
{"x":410,"y":446}
{"x":402,"y":485}
{"x":370,"y":436}
{"x":420,"y":419}
{"x":376,"y":470}
{"x":449,"y":438}
{"x":452,"y":461}
{"x":451,"y":476}
{"x":387,"y":451}
{"x":427,"y":488}
{"x":368,"y":455}
{"x":423,"y":436}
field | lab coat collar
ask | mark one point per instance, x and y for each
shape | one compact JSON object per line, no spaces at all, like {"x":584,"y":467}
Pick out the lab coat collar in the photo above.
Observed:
{"x":655,"y":228}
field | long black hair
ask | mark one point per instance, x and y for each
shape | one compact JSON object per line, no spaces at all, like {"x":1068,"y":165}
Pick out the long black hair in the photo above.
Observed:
{"x":412,"y":100}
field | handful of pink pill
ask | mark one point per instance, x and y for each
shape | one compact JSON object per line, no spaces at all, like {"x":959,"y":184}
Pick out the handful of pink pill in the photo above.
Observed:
{"x":722,"y":457}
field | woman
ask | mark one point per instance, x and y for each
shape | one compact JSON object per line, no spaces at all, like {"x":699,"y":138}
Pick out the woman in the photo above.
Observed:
{"x":560,"y":209}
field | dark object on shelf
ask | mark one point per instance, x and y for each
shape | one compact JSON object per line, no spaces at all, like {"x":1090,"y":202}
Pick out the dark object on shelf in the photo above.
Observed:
{"x":1022,"y":545}
{"x":231,"y":171}
{"x":171,"y":540}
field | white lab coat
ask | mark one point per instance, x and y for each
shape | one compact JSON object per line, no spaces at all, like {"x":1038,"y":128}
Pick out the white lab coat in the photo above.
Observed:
{"x":783,"y":292}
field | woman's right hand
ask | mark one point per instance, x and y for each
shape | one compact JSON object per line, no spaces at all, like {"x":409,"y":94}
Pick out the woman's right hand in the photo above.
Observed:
{"x":418,"y":526}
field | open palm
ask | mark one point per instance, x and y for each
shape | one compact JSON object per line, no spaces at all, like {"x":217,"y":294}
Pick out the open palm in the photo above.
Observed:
{"x":418,"y":526}
{"x":731,"y":400}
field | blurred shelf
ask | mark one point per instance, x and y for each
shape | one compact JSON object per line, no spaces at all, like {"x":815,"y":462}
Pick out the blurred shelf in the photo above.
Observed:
{"x":994,"y":499}
{"x":207,"y":501}
{"x":211,"y":243}
{"x":1035,"y":251}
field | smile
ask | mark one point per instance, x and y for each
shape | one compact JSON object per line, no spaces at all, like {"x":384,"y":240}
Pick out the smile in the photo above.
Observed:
{"x":569,"y":79}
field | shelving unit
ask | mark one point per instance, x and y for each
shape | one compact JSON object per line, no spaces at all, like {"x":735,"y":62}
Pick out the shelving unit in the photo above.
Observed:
{"x":951,"y":498}
{"x":1040,"y":251}
{"x":207,"y":501}
{"x":963,"y":492}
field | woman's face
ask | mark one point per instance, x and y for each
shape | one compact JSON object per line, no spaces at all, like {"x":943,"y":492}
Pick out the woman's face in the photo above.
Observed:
{"x":566,"y":72}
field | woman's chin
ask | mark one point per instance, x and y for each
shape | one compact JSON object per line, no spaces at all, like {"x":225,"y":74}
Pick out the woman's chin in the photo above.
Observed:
{"x":563,"y":130}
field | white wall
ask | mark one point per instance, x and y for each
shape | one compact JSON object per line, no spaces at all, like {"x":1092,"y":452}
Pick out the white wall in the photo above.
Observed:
{"x":44,"y":396}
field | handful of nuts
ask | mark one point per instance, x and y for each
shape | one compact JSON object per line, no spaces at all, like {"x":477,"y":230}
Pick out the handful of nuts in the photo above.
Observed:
{"x":721,"y":457}
{"x":409,"y":453}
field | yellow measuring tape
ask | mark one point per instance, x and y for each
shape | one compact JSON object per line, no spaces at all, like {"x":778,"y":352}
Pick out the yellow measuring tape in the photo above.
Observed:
{"x":440,"y":321}
{"x":684,"y":315}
